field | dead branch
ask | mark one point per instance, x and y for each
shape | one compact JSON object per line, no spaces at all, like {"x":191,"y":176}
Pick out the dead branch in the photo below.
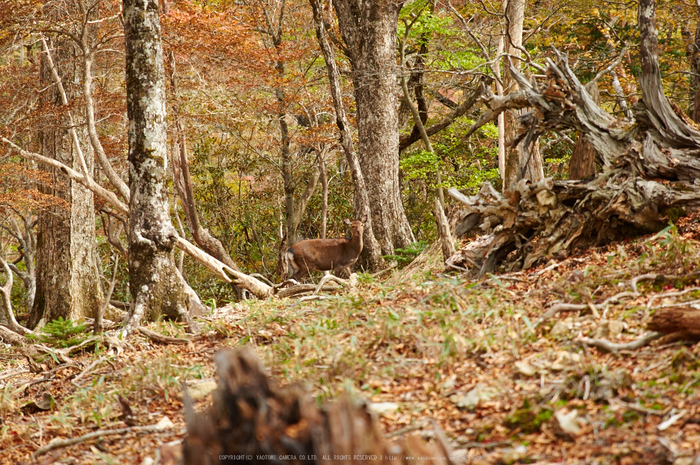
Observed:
{"x":608,"y":346}
{"x":163,"y":339}
{"x":58,"y":444}
{"x":559,"y":308}
{"x":649,"y":167}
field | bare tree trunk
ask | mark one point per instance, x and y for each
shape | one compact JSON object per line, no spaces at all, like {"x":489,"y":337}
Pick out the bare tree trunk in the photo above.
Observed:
{"x":324,"y":194}
{"x":582,"y":164}
{"x":694,"y":62}
{"x":371,"y":253}
{"x":369,"y":31}
{"x":521,"y":161}
{"x":155,"y":282}
{"x":67,"y":281}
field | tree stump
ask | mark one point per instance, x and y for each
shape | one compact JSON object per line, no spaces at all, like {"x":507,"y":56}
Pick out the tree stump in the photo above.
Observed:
{"x":251,"y":420}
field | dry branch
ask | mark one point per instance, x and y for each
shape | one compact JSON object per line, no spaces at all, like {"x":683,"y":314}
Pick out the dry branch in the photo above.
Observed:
{"x":97,"y":434}
{"x":608,"y":346}
{"x":157,"y":337}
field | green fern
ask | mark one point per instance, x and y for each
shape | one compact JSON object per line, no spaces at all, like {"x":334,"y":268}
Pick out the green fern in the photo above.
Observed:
{"x":61,"y":333}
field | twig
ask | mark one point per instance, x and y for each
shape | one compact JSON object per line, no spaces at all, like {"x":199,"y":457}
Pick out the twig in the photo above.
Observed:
{"x":163,"y":339}
{"x":13,"y":373}
{"x":559,"y":308}
{"x":72,"y":441}
{"x":608,"y":346}
{"x":485,"y":445}
{"x":670,"y":294}
{"x":329,"y":277}
{"x":307,"y":298}
{"x":74,"y":381}
{"x":550,"y":267}
{"x":401,"y":431}
{"x":638,"y":408}
{"x":643,"y":277}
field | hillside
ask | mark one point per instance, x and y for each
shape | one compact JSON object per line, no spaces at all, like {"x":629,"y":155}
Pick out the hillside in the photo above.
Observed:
{"x":476,"y":357}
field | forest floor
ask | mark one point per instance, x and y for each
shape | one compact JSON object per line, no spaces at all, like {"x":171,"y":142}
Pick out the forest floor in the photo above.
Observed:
{"x":428,"y":349}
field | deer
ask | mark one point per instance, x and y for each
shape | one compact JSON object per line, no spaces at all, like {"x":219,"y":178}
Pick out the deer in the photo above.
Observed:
{"x":326,"y":254}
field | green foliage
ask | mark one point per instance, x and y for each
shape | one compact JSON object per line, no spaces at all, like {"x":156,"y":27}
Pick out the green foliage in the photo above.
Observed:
{"x":529,"y":419}
{"x":463,"y":164}
{"x":61,"y":333}
{"x":405,"y":256}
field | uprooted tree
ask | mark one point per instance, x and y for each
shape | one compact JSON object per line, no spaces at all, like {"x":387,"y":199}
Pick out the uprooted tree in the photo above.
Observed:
{"x":649,"y":167}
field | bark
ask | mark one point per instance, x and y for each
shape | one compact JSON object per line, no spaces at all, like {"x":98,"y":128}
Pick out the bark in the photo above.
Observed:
{"x":67,"y":280}
{"x":649,"y":165}
{"x":582,"y":164}
{"x":324,"y":194}
{"x":522,"y":159}
{"x":695,"y":76}
{"x":693,"y":54}
{"x":677,"y":319}
{"x":369,"y":32}
{"x":371,"y":253}
{"x":252,"y":416}
{"x":155,"y":282}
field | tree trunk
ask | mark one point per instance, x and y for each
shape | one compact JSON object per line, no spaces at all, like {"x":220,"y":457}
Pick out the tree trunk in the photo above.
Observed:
{"x":369,"y":31}
{"x":693,"y":54}
{"x":371,"y":252}
{"x":522,"y":160}
{"x":156,"y":284}
{"x":67,"y":279}
{"x":582,"y":164}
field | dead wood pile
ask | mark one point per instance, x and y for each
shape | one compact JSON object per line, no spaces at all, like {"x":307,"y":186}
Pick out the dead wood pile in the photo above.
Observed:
{"x":253,"y":421}
{"x":650,"y":171}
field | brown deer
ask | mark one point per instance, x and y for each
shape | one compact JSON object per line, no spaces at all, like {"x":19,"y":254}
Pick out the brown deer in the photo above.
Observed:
{"x":326,"y":254}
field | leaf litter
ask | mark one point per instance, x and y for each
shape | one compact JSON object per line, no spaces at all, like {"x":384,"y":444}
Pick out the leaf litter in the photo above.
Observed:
{"x":475,"y":357}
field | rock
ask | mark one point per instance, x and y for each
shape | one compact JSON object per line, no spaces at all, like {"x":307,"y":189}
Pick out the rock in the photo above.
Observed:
{"x":561,"y":328}
{"x":384,"y":408}
{"x":524,"y":368}
{"x":566,"y":360}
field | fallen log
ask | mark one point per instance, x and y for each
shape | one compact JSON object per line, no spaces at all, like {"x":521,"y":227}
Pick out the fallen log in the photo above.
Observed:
{"x":254,"y":421}
{"x":681,"y":318}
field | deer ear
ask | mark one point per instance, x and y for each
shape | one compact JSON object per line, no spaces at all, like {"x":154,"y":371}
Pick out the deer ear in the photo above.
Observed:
{"x":346,"y":221}
{"x":364,"y":218}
